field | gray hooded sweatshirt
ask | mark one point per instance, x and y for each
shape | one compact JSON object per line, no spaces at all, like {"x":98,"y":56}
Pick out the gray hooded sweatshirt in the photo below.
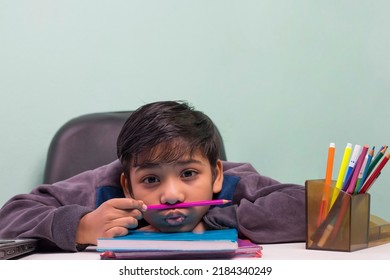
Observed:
{"x":263,"y":210}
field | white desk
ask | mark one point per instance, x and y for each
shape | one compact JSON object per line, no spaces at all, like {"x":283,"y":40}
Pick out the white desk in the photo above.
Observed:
{"x":288,"y":251}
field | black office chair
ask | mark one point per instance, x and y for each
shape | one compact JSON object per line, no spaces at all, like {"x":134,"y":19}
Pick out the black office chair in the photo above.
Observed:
{"x":84,"y":143}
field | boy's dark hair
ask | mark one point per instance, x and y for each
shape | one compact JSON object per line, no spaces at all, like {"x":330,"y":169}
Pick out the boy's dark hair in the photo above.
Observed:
{"x":163,"y":132}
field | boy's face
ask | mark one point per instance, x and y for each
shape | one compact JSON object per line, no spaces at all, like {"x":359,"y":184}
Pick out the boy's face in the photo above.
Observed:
{"x":185,"y":180}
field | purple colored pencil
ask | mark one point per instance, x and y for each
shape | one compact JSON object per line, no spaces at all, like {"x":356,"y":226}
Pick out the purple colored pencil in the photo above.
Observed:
{"x":188,"y":204}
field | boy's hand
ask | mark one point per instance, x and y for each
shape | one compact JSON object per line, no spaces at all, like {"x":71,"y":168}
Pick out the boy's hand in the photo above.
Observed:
{"x":113,"y":218}
{"x":149,"y":228}
{"x":199,"y":228}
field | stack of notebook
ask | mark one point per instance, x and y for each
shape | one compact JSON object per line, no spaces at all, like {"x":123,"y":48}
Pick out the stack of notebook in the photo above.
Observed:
{"x":212,"y":244}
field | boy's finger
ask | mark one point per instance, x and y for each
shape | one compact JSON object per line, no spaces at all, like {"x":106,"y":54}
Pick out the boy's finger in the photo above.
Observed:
{"x":125,"y":222}
{"x":127,"y":203}
{"x":116,"y":231}
{"x":120,"y":226}
{"x":133,"y":213}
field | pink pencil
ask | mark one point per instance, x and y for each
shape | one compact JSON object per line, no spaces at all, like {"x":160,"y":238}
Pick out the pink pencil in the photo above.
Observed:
{"x":355,"y":173}
{"x":188,"y":204}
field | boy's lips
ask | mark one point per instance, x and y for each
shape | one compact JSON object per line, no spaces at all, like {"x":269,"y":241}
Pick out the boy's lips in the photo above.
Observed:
{"x":175,"y":218}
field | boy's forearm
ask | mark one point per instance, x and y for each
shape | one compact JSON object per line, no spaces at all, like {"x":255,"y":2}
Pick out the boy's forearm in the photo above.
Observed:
{"x":65,"y":223}
{"x":271,"y":214}
{"x":54,"y":226}
{"x":221,"y":218}
{"x":276,"y":218}
{"x":267,"y":211}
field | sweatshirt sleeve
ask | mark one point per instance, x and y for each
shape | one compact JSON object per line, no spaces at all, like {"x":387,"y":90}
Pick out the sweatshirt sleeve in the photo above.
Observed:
{"x":263,"y":209}
{"x":51,"y":213}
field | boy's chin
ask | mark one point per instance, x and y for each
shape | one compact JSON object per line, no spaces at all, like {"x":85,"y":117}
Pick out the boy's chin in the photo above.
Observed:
{"x":177,"y":228}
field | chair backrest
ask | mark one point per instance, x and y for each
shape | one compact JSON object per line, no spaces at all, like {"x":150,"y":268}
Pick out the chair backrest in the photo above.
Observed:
{"x":84,"y":143}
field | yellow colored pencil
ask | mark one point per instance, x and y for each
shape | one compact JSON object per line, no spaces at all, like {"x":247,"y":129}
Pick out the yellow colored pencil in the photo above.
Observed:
{"x":342,"y":172}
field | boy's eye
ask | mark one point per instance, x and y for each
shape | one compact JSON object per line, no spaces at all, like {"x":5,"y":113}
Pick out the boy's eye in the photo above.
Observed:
{"x":150,"y":180}
{"x":188,"y":173}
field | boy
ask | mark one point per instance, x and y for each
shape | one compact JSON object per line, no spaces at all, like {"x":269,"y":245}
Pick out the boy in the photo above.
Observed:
{"x":168,"y":153}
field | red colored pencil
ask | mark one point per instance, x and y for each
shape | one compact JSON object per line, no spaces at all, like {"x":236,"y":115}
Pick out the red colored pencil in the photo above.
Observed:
{"x":375,"y":174}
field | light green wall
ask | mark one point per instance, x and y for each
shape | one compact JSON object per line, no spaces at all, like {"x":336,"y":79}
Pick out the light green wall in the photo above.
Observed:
{"x":281,"y":79}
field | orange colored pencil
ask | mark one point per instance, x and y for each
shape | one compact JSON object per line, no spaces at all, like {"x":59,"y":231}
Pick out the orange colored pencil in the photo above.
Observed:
{"x":328,"y":179}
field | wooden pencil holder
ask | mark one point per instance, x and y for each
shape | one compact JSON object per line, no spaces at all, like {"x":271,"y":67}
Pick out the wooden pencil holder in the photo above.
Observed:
{"x":345,"y":224}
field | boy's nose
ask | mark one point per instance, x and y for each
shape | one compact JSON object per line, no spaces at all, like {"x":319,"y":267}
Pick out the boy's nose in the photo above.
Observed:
{"x":172,"y":193}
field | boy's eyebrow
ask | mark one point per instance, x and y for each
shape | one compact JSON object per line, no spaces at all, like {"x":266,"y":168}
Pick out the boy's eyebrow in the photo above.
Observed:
{"x":151,"y":165}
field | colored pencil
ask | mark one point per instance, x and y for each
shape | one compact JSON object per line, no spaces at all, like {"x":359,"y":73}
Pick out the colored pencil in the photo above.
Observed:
{"x":188,"y":204}
{"x":374,"y":174}
{"x":365,"y":171}
{"x":376,"y":159}
{"x":340,"y":216}
{"x":355,"y":174}
{"x":328,"y":179}
{"x":342,"y":172}
{"x":329,"y":165}
{"x":333,"y":227}
{"x":351,"y":166}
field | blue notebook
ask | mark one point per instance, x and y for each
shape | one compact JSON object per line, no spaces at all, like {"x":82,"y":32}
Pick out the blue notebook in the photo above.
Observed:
{"x":215,"y":240}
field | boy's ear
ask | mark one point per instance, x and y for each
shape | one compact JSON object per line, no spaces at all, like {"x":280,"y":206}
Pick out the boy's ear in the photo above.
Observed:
{"x":217,"y":185}
{"x":125,"y":185}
